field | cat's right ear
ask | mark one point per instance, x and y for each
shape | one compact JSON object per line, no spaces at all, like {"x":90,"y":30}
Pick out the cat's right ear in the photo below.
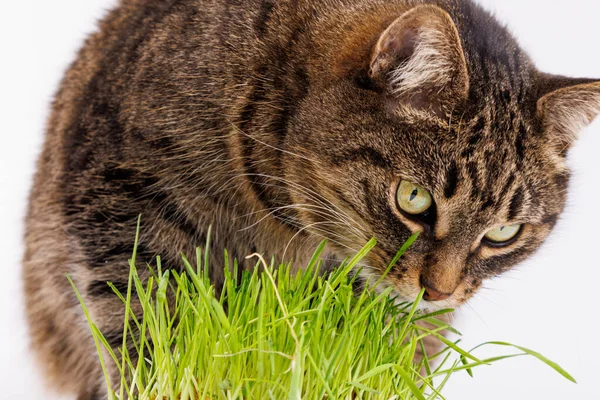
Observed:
{"x":566,"y":106}
{"x":419,"y":60}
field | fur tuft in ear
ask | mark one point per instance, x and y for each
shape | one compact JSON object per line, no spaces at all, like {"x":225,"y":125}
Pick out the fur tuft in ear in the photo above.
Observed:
{"x":420,"y":60}
{"x":568,"y":109}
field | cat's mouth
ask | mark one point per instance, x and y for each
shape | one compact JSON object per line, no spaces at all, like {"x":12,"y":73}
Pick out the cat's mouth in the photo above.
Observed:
{"x":426,"y":305}
{"x":401,"y":293}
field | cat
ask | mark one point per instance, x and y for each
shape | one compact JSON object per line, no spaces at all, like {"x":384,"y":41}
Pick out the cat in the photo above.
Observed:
{"x":280,"y":123}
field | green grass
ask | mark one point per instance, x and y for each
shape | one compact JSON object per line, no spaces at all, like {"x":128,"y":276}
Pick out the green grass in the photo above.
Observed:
{"x":277,"y":335}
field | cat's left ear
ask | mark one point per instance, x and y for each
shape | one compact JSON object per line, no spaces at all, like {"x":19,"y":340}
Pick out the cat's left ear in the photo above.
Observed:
{"x":420,"y":62}
{"x":566,"y":106}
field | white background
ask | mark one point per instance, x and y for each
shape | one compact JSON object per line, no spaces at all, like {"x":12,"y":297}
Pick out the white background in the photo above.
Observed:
{"x":550,"y":303}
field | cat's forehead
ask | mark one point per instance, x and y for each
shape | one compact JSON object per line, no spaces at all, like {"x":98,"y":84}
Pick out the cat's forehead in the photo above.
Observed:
{"x":483,"y":162}
{"x":492,"y":134}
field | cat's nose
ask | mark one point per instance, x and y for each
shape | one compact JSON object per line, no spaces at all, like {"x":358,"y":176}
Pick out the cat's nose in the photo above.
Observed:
{"x":431,"y":293}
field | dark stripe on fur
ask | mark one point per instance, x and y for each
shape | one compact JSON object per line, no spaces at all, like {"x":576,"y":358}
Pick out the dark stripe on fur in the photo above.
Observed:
{"x":246,"y":120}
{"x":451,"y":181}
{"x":364,"y":153}
{"x":551,"y":219}
{"x":478,"y":131}
{"x":141,"y":187}
{"x":506,"y":189}
{"x":472,"y":171}
{"x":487,"y":203}
{"x":289,"y":102}
{"x":561,"y":180}
{"x":114,"y":337}
{"x":264,"y":14}
{"x":171,"y":212}
{"x":474,"y":139}
{"x":102,"y":289}
{"x":519,"y":144}
{"x":516,"y":204}
{"x":101,"y":254}
{"x":499,"y":264}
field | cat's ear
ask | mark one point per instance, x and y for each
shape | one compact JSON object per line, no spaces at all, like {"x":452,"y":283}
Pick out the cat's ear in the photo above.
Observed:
{"x":566,"y":106}
{"x":420,"y":61}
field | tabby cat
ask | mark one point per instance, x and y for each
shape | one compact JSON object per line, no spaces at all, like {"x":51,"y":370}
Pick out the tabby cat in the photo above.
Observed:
{"x":283,"y":122}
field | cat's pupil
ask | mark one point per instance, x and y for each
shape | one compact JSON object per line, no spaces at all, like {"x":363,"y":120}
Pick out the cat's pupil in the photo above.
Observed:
{"x":502,"y":228}
{"x":414,"y":194}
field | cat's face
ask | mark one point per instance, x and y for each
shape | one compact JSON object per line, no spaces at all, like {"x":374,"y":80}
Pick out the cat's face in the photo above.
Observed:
{"x":480,"y":174}
{"x":473,"y":175}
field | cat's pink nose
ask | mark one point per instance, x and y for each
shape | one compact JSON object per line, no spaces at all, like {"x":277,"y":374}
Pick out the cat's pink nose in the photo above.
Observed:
{"x":432,"y":294}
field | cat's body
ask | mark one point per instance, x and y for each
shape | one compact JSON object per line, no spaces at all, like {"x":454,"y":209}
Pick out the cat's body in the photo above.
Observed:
{"x":279,"y":123}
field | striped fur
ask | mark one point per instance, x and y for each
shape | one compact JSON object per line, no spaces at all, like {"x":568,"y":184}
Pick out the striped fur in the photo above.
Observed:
{"x":266,"y":120}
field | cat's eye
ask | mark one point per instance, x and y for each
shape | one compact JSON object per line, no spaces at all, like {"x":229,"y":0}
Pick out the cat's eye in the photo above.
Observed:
{"x":413,"y":199}
{"x":503,"y":235}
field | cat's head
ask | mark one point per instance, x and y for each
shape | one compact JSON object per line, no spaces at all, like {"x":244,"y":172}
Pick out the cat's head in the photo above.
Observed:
{"x":440,"y":124}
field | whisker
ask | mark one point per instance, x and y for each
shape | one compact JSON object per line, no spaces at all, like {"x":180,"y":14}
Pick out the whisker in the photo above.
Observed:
{"x":238,"y":130}
{"x":340,"y":215}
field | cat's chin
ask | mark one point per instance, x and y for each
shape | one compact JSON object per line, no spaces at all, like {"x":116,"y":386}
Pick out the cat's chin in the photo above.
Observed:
{"x":431,"y":306}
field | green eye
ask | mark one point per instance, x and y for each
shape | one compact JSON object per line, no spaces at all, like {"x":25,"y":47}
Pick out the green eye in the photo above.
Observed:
{"x":503,"y":234}
{"x":413,"y":199}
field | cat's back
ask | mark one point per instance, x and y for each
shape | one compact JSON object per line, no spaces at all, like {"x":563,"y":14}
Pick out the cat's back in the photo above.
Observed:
{"x":121,"y":76}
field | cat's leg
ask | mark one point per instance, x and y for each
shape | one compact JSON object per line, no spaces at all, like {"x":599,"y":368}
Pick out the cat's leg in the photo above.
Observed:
{"x":59,"y":334}
{"x":108,"y":314}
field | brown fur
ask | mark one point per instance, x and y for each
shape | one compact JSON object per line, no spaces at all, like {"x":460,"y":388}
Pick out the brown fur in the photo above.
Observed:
{"x":279,"y":124}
